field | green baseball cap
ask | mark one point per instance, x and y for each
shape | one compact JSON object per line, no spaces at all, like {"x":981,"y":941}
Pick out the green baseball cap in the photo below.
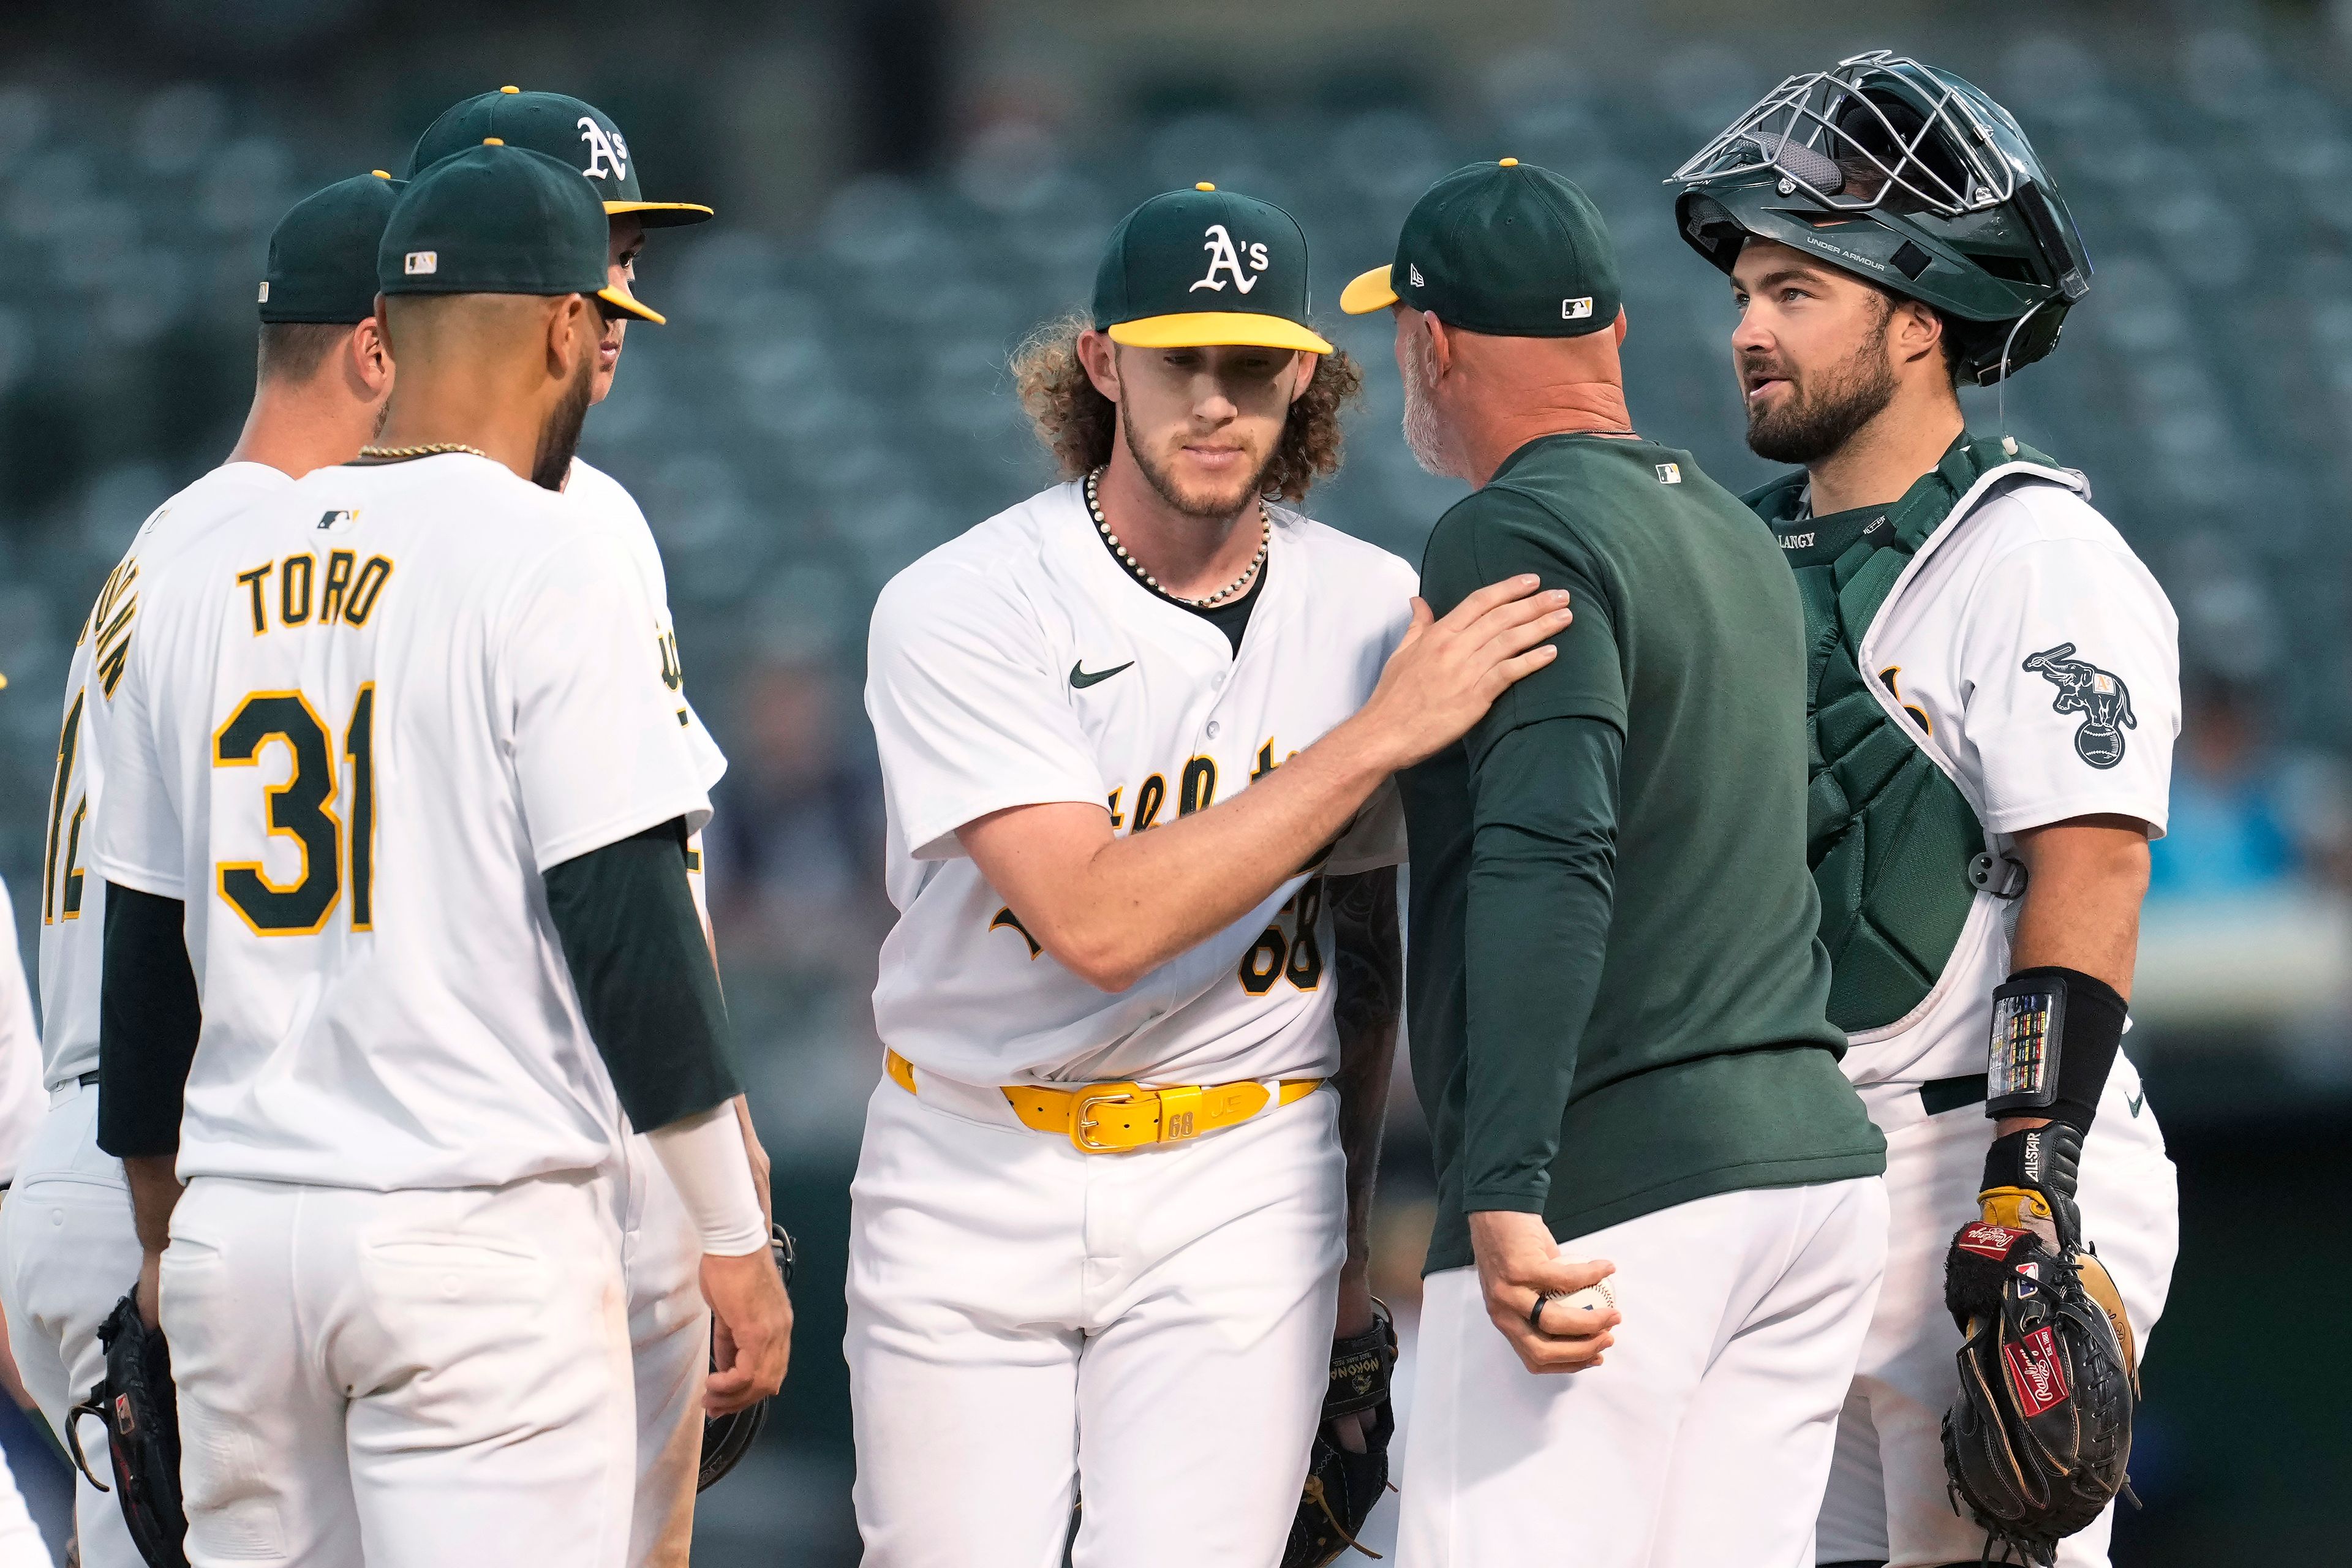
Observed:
{"x":562,"y":126}
{"x":1203,"y":266}
{"x":322,"y":252}
{"x":499,"y":220}
{"x":1505,"y":248}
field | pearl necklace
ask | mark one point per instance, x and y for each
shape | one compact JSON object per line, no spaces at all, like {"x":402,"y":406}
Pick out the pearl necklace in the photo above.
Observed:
{"x":1232,"y":589}
{"x":429,"y":449}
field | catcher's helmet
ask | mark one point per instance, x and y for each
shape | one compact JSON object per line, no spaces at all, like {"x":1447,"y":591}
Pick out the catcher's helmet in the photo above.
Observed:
{"x":1910,"y":178}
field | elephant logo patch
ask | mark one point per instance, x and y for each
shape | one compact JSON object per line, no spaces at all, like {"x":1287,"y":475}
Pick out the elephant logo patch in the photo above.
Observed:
{"x":2102,"y":698}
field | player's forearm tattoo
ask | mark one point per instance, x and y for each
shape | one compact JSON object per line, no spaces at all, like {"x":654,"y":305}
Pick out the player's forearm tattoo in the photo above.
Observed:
{"x":1371,"y":992}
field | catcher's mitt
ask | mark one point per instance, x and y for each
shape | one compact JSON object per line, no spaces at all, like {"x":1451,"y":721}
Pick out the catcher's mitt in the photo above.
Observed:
{"x":2037,"y":1442}
{"x":1341,"y":1484}
{"x":726,"y":1438}
{"x":136,"y":1401}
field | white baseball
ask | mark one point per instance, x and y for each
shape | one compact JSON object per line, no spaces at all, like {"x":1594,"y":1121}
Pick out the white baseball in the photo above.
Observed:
{"x":1591,"y":1299}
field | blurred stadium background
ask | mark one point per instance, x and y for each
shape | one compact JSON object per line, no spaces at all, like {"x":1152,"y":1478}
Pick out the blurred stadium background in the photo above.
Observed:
{"x":905,"y":186}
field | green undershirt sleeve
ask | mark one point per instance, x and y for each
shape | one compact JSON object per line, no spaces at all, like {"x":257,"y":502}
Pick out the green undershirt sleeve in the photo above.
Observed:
{"x":634,"y":943}
{"x":1542,"y":881}
{"x":148,"y":1020}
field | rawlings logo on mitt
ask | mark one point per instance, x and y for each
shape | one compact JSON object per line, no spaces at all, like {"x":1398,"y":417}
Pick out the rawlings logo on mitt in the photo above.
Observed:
{"x":2036,"y":1445}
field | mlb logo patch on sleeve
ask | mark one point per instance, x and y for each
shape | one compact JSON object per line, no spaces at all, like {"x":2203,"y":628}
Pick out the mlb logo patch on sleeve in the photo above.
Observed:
{"x":421,"y":261}
{"x":1670,"y":473}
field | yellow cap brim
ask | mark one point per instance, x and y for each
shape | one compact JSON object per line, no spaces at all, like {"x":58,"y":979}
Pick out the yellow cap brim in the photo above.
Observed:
{"x":1217,"y":329}
{"x":662,"y":215}
{"x":1367,"y":292}
{"x":622,"y":301}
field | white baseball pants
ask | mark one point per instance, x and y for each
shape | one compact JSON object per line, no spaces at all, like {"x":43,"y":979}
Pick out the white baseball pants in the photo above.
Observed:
{"x":429,"y":1379}
{"x":1886,"y":1500}
{"x":669,"y":1351}
{"x":1702,"y":1441}
{"x":21,"y":1545}
{"x":1152,"y":1329}
{"x":70,"y":1254}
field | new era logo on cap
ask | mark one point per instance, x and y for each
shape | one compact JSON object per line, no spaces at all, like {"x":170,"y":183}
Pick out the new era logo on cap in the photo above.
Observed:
{"x":417,"y":262}
{"x":1576,"y":310}
{"x":1414,"y":273}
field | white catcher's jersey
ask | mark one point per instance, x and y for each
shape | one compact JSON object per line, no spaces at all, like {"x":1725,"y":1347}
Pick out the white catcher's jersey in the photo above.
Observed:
{"x":357,"y":724}
{"x":72,"y":912}
{"x":2042,"y":662}
{"x":1019,"y":664}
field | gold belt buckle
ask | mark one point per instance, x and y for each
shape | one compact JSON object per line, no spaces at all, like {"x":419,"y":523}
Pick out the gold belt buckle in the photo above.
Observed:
{"x":1082,"y":1124}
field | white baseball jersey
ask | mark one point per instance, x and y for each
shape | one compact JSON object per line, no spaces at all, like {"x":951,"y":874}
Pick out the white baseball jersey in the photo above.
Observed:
{"x":1021,"y":664}
{"x":21,"y":1102}
{"x":73,"y":902}
{"x":358,"y":723}
{"x":2042,"y":661}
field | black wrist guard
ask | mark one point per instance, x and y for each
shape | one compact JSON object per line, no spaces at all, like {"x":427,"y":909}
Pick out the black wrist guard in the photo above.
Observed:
{"x":2055,"y":1033}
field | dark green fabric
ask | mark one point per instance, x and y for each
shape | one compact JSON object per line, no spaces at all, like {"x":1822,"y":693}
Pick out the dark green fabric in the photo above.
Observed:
{"x":1543,"y":869}
{"x":495,"y":220}
{"x":322,"y":254}
{"x":1889,"y":836}
{"x":642,"y":966}
{"x":1162,"y":260}
{"x":147,"y":1021}
{"x":1704,"y":1063}
{"x":1511,"y":249}
{"x":574,"y":132}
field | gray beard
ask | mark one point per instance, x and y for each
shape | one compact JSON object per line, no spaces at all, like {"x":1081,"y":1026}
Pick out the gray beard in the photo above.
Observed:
{"x":1424,"y":437}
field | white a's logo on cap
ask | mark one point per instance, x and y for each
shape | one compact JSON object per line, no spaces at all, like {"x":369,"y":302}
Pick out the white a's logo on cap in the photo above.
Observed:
{"x":421,"y":261}
{"x":607,"y":154}
{"x":1225,"y":257}
{"x":1576,"y":310}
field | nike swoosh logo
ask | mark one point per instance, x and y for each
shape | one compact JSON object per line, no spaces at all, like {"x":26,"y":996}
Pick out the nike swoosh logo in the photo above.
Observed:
{"x":2136,"y":1101}
{"x":1080,"y":679}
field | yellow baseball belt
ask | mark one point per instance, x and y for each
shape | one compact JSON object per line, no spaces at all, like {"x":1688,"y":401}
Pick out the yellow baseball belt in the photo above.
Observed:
{"x":1112,"y":1118}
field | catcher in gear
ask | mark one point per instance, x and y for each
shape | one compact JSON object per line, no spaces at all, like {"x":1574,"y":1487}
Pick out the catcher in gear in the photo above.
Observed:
{"x":1994,"y":702}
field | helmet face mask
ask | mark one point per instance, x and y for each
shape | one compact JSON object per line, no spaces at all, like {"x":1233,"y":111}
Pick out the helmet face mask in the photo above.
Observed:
{"x":1909,"y":178}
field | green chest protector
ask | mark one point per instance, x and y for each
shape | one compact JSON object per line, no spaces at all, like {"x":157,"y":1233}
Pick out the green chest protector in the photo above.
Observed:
{"x":1892,"y":841}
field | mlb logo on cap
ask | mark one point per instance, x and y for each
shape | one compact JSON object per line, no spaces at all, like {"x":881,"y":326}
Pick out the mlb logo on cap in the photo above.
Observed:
{"x":1670,"y":473}
{"x":421,"y":261}
{"x":1576,"y":310}
{"x":264,"y":291}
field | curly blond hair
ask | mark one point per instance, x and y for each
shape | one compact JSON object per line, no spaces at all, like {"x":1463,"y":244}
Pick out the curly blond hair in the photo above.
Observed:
{"x":1077,"y":424}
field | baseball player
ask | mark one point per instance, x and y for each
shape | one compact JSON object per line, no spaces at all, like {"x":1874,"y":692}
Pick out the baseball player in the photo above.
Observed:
{"x":1994,"y":698}
{"x":68,"y":1251}
{"x":1618,"y":1024}
{"x":669,"y":1326}
{"x":454,"y":880}
{"x":1135,"y":733}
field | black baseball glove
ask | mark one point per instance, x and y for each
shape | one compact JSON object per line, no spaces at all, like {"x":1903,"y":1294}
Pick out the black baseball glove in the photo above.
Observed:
{"x":1341,"y":1484}
{"x":2037,"y":1442}
{"x":141,"y":1412}
{"x":726,"y":1438}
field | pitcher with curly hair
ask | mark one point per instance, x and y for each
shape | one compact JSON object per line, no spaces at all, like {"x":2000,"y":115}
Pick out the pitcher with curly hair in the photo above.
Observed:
{"x":1136,"y":734}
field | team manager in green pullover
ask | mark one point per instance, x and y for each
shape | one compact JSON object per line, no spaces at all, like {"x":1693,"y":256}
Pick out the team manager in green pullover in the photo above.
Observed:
{"x":1617,"y":998}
